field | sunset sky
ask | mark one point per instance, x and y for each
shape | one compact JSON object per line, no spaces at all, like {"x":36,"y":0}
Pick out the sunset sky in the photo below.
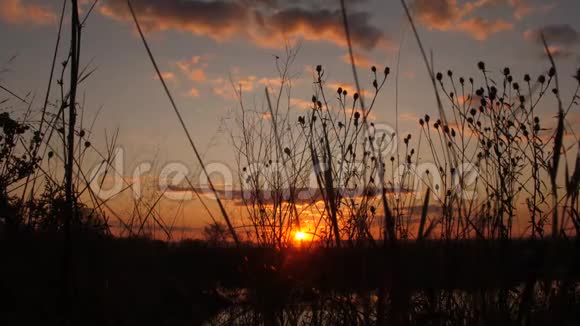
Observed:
{"x":203,"y":44}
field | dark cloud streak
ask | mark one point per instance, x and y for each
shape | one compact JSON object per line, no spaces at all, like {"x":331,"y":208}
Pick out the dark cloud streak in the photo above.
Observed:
{"x":561,"y":34}
{"x":562,"y":39}
{"x":264,"y":22}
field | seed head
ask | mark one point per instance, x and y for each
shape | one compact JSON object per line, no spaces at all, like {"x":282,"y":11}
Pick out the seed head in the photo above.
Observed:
{"x":542,"y":79}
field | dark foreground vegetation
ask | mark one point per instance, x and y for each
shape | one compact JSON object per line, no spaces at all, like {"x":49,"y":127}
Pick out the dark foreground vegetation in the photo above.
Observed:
{"x":145,"y":282}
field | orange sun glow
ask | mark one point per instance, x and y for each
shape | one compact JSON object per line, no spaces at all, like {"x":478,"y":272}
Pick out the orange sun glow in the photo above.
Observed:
{"x":299,"y":236}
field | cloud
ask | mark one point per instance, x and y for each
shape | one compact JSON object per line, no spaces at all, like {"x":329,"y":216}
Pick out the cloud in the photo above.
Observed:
{"x":216,"y":19}
{"x":228,"y":88}
{"x":265,"y":116}
{"x":437,"y":14}
{"x":257,"y":21}
{"x":409,"y":117}
{"x":192,"y":69}
{"x":360,"y":60}
{"x":303,"y":195}
{"x":15,"y":12}
{"x":480,"y":29}
{"x":167,"y":76}
{"x":523,"y":9}
{"x":409,"y":74}
{"x":350,"y":89}
{"x":449,"y":15}
{"x":271,"y":82}
{"x":193,"y":92}
{"x":562,"y":39}
{"x":316,"y":25}
{"x":559,"y":52}
{"x":225,"y":88}
{"x":561,"y":34}
{"x":300,"y":103}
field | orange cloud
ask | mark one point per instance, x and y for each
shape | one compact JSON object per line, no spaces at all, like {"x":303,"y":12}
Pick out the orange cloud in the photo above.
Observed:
{"x":225,"y":88}
{"x":15,"y":12}
{"x":557,"y":52}
{"x":168,"y":76}
{"x":192,"y":70}
{"x":359,"y":59}
{"x":265,"y":27}
{"x":350,"y":89}
{"x":270,"y":82}
{"x":449,"y":15}
{"x":523,"y":9}
{"x":300,"y":103}
{"x":473,"y":99}
{"x":318,"y":25}
{"x":193,"y":92}
{"x":409,"y":74}
{"x":481,"y":29}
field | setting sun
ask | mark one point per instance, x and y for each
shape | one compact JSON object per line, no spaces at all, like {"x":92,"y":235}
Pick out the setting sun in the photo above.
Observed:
{"x":299,"y":236}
